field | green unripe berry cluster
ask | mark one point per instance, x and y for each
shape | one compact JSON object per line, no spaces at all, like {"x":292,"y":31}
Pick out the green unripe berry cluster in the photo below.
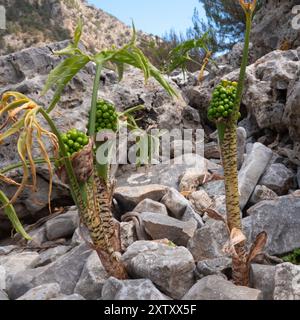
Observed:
{"x":223,"y":100}
{"x":74,"y":141}
{"x":106,"y":116}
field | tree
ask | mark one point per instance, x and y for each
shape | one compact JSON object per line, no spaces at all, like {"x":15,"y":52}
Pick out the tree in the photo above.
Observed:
{"x":226,"y":18}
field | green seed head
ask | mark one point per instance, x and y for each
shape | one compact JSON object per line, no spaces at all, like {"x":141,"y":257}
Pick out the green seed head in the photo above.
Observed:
{"x":222,"y":102}
{"x":106,"y":116}
{"x":74,"y":140}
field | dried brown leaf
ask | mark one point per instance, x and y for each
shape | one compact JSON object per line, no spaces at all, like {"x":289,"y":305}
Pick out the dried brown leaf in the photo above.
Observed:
{"x":258,"y":246}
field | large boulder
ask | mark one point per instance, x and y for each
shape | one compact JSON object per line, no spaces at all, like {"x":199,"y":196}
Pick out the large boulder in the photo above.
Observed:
{"x":291,"y":115}
{"x":209,"y":241}
{"x":92,"y":278}
{"x":62,"y":226}
{"x":217,"y":288}
{"x":161,"y":226}
{"x":272,"y":27}
{"x":278,"y":178}
{"x":280,"y":218}
{"x":15,"y":263}
{"x":262,"y":193}
{"x":130,"y":197}
{"x":263,"y":278}
{"x":170,"y":269}
{"x":142,"y":289}
{"x":42,"y":292}
{"x":252,"y":170}
{"x":66,"y":271}
{"x":287,"y":282}
{"x":149,"y":205}
{"x":169,"y":173}
{"x":31,"y":206}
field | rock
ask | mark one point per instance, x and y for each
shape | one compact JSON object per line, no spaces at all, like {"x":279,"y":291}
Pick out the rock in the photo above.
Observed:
{"x":127,"y":234}
{"x":184,"y":79}
{"x":3,"y":295}
{"x":170,"y":269}
{"x":250,"y":125}
{"x":2,"y":278}
{"x":142,"y":289}
{"x":268,"y":81}
{"x":149,"y":205}
{"x":52,"y":254}
{"x":92,"y":278}
{"x":272,"y":27}
{"x":43,"y":292}
{"x":200,"y":200}
{"x":21,"y":283}
{"x":31,"y":206}
{"x":218,"y":266}
{"x":252,"y":170}
{"x":298,"y":177}
{"x":287,"y":282}
{"x":38,"y":237}
{"x":214,"y":188}
{"x":79,"y":236}
{"x":212,"y":151}
{"x":18,"y":262}
{"x":62,"y":226}
{"x":179,"y":147}
{"x":262,"y":193}
{"x":263,"y":279}
{"x":5,"y":250}
{"x":66,"y":271}
{"x":208,"y":242}
{"x":247,"y":229}
{"x":291,"y":115}
{"x":280,"y":218}
{"x":241,"y":143}
{"x":199,"y":98}
{"x":161,"y":227}
{"x":74,"y":296}
{"x":219,"y":204}
{"x":232,"y":59}
{"x":130,"y":197}
{"x":190,"y":214}
{"x":168,"y":173}
{"x":175,"y":202}
{"x":278,"y":178}
{"x":217,"y":288}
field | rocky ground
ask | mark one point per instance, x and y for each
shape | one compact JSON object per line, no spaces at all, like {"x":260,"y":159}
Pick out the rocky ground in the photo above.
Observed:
{"x":171,"y":249}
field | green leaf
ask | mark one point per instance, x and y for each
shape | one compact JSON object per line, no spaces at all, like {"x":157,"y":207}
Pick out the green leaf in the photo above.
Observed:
{"x":120,"y":69}
{"x":221,"y":131}
{"x":180,"y":55}
{"x":103,"y":57}
{"x":134,"y":35}
{"x":70,"y":50}
{"x":137,"y":59}
{"x":78,"y":32}
{"x":62,"y":75}
{"x":12,"y":216}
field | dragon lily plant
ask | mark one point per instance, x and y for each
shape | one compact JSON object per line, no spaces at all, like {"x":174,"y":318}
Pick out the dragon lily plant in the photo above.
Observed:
{"x":225,"y":112}
{"x":74,"y":152}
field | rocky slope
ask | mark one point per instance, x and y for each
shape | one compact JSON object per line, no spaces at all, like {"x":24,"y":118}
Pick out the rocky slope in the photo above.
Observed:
{"x":197,"y":267}
{"x":37,"y":22}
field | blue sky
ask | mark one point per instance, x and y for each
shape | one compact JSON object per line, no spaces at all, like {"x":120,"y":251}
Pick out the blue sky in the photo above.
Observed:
{"x":152,"y":16}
